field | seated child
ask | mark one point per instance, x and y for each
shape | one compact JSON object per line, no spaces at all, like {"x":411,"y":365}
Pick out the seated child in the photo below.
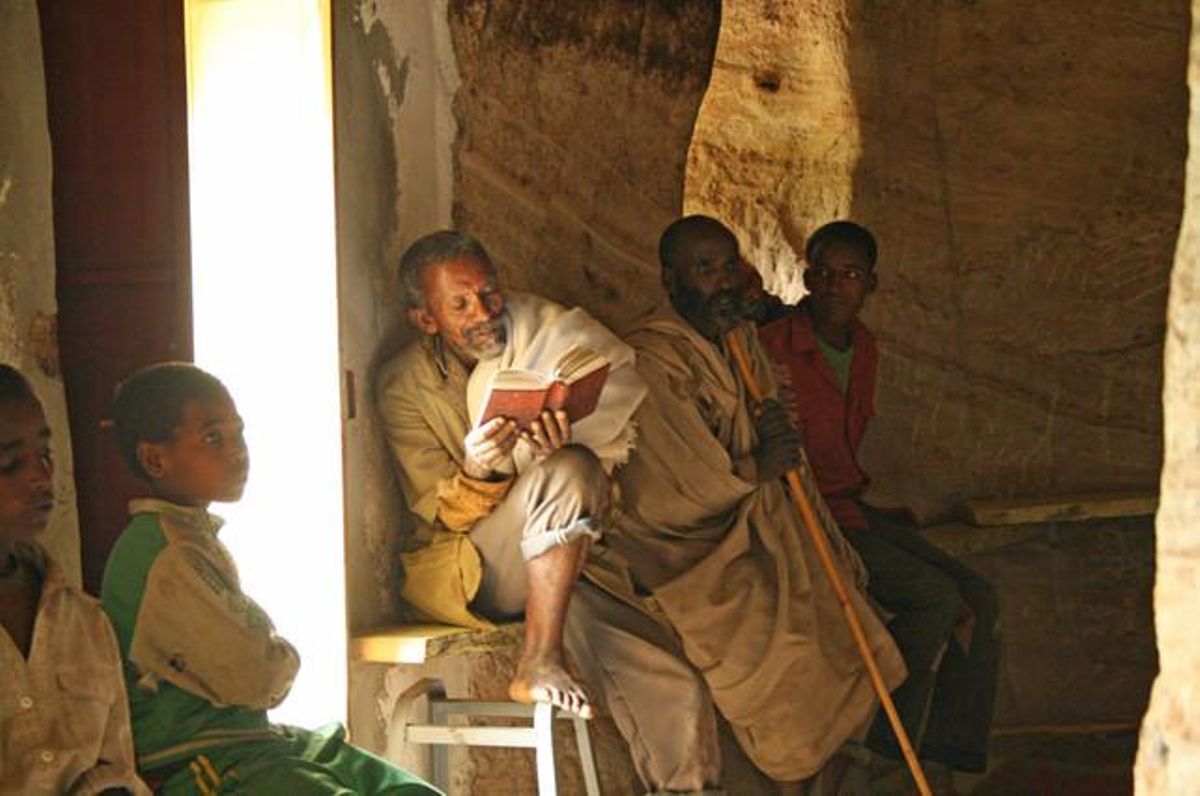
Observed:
{"x":204,"y":661}
{"x":944,"y":614}
{"x":64,"y":721}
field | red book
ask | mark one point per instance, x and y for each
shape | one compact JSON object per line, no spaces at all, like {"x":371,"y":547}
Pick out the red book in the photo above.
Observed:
{"x":574,"y":386}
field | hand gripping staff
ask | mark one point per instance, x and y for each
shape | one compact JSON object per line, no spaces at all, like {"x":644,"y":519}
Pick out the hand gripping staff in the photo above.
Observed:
{"x":800,"y":499}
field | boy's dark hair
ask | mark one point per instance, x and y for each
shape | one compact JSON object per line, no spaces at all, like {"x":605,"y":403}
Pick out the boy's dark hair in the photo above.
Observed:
{"x":436,"y":247}
{"x":13,"y":385}
{"x":846,"y":232}
{"x":148,"y":406}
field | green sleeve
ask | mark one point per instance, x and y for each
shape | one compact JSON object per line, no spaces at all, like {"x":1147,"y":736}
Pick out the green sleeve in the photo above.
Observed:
{"x":126,"y":573}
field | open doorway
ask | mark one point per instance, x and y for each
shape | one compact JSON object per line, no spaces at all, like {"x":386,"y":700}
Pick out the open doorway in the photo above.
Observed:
{"x":265,"y":309}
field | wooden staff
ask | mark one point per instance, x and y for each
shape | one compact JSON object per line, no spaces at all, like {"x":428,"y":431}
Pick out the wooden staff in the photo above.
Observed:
{"x":800,"y":499}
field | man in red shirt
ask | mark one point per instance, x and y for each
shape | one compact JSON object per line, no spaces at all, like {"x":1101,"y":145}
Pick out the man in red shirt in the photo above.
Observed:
{"x":828,"y":359}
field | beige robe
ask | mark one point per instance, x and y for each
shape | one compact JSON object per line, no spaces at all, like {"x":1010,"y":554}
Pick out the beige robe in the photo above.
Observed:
{"x":727,"y":561}
{"x":630,"y":663}
{"x":423,"y":402}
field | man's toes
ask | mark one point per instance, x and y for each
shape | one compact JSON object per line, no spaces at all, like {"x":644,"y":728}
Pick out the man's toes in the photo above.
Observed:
{"x":580,"y":701}
{"x":579,"y":704}
{"x":556,"y":697}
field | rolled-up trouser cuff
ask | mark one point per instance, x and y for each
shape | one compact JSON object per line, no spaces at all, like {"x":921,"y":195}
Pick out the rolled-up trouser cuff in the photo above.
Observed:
{"x":535,"y":545}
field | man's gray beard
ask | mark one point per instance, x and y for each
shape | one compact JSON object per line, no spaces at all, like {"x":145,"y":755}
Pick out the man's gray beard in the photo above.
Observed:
{"x":492,"y":352}
{"x":501,"y":340}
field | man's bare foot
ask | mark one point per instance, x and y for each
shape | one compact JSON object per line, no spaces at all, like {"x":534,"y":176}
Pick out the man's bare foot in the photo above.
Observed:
{"x":543,"y":679}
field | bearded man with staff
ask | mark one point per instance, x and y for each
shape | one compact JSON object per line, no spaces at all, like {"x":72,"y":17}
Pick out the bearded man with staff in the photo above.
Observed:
{"x":707,"y":540}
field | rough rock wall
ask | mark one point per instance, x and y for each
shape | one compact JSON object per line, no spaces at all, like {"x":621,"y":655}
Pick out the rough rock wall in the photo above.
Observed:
{"x":574,"y":125}
{"x":1021,"y":165}
{"x":28,"y":332}
{"x":1169,"y":750}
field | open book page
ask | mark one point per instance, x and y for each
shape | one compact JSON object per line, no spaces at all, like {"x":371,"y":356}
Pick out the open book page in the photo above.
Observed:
{"x":578,"y":361}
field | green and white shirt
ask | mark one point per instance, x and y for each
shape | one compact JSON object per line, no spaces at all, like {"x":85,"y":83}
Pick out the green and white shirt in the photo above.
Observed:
{"x":202,"y":660}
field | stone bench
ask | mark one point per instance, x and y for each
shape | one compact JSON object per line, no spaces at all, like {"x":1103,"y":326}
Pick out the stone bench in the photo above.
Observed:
{"x":422,"y":714}
{"x":1075,"y":578}
{"x":391,"y":661}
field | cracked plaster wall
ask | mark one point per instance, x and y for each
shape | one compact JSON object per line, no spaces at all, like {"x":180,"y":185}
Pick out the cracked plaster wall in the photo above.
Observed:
{"x":1021,"y":164}
{"x":28,"y":333}
{"x":394,"y":78}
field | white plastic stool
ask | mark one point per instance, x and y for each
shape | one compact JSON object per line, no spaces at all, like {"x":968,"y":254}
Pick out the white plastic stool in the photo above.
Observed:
{"x":437,"y":731}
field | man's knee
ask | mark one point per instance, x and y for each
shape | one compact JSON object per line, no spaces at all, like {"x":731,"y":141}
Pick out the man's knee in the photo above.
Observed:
{"x":575,"y":469}
{"x":942,"y":604}
{"x":570,"y":499}
{"x":981,"y":597}
{"x":575,"y":462}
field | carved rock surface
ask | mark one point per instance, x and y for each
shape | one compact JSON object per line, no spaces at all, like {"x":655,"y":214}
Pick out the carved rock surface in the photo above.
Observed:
{"x":574,"y":122}
{"x":1021,"y":164}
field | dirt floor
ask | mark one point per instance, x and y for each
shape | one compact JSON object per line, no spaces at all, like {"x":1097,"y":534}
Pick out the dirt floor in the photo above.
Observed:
{"x":1045,"y":765}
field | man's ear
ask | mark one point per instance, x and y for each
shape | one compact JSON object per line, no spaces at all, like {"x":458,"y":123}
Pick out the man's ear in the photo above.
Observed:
{"x":422,"y":320}
{"x":806,"y":276}
{"x":668,"y":280}
{"x":872,"y":281}
{"x":150,"y":457}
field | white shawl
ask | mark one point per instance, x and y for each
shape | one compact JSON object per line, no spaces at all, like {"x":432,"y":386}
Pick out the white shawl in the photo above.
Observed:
{"x":539,"y":332}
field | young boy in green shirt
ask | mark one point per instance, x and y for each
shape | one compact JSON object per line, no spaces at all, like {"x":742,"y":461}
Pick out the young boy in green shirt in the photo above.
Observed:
{"x":203,"y":660}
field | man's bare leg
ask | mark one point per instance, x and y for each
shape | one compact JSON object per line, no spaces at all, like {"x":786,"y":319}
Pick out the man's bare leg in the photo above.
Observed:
{"x":541,"y":674}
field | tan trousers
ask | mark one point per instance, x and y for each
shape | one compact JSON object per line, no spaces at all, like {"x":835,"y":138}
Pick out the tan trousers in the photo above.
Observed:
{"x":631,"y":664}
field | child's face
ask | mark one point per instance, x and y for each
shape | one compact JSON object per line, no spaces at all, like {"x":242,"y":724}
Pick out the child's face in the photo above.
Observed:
{"x":839,"y":282}
{"x":206,"y":458}
{"x":26,"y":471}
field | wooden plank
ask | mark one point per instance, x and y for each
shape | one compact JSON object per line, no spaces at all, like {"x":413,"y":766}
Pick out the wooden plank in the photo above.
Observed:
{"x":508,"y":737}
{"x":419,"y":643}
{"x":1021,"y":511}
{"x":1104,"y":728}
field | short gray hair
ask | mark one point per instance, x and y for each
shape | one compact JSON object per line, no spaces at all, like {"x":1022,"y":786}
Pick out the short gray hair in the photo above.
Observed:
{"x":429,"y":250}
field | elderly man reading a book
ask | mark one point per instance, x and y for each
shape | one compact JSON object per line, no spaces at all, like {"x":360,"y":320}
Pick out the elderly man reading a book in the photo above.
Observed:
{"x":505,"y":421}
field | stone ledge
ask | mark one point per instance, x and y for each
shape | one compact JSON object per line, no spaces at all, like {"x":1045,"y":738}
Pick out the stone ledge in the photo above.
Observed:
{"x":961,"y":538}
{"x":419,"y":643}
